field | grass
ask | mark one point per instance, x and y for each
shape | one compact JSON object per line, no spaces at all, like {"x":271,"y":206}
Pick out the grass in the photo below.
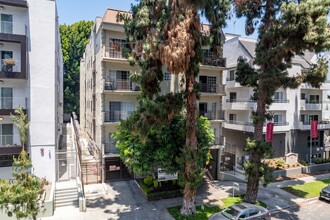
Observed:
{"x":208,"y":210}
{"x":200,"y":215}
{"x":307,"y":190}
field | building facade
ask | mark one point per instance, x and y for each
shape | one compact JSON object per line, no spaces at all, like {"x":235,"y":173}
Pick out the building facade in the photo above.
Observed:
{"x":31,"y":76}
{"x":292,"y":109}
{"x":107,"y":95}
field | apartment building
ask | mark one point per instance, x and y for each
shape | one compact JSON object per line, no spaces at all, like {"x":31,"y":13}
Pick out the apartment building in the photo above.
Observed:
{"x":292,"y":109}
{"x":107,"y":95}
{"x":31,"y":76}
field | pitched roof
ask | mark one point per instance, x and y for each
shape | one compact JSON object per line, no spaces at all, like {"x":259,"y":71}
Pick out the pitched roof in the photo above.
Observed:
{"x":110,"y":16}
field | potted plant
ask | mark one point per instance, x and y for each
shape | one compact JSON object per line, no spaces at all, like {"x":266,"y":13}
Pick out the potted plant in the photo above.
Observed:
{"x":8,"y":65}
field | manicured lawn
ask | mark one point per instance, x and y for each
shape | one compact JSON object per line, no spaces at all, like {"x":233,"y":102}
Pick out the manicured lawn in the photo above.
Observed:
{"x":307,"y":190}
{"x":208,"y":210}
{"x":200,"y":215}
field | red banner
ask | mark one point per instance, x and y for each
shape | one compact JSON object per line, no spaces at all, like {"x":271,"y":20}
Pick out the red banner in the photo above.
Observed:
{"x":269,"y":132}
{"x":314,"y":131}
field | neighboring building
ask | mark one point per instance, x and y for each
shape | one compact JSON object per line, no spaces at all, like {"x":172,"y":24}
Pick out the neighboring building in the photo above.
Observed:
{"x":293,"y":109}
{"x":31,"y":76}
{"x":107,"y":95}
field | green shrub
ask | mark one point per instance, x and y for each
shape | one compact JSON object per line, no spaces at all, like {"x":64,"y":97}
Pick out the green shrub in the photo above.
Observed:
{"x":156,"y":184}
{"x":145,"y":188}
{"x":279,"y":163}
{"x":148,"y":180}
{"x":164,"y":195}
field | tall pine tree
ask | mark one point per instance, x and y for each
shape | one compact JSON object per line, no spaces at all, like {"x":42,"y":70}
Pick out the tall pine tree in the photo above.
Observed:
{"x":170,"y":32}
{"x":285,"y":29}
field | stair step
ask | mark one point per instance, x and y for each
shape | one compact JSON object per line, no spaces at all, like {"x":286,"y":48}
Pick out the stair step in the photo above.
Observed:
{"x":66,"y":189}
{"x":75,"y":203}
{"x":66,"y":199}
{"x":73,"y":196}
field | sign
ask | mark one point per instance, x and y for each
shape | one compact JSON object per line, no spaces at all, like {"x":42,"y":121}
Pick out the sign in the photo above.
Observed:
{"x":314,"y":131}
{"x":269,"y":132}
{"x":162,"y":176}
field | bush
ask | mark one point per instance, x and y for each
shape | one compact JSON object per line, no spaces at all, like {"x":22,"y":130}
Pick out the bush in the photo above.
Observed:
{"x":164,"y":195}
{"x":155,"y":183}
{"x":148,"y":180}
{"x":157,"y":191}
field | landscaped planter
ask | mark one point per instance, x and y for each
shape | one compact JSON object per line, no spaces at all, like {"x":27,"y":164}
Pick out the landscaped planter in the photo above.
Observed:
{"x":165,"y":190}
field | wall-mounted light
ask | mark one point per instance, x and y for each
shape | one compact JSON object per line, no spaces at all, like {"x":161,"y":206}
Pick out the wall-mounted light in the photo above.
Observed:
{"x":1,"y":81}
{"x":1,"y":118}
{"x":2,"y":7}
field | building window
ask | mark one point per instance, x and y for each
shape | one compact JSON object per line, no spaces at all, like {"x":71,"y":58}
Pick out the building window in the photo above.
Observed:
{"x":115,"y":47}
{"x":231,"y":75}
{"x":302,"y":96}
{"x":315,"y":142}
{"x":232,"y":118}
{"x":314,"y":99}
{"x":6,"y":134}
{"x":278,"y":96}
{"x":167,"y":76}
{"x":277,"y":119}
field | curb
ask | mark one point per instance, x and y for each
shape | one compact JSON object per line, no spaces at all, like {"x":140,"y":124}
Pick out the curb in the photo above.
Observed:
{"x":297,"y":204}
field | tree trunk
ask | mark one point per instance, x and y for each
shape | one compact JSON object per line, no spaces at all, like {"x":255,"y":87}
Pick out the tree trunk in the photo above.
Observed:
{"x":253,"y":178}
{"x":189,"y":193}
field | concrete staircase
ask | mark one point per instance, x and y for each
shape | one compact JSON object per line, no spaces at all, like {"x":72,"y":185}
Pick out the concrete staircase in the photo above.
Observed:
{"x":66,"y":194}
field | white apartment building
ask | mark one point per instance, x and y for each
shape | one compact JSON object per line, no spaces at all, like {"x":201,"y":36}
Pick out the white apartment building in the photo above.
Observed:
{"x":107,"y":95}
{"x":31,"y":76}
{"x":293,"y":109}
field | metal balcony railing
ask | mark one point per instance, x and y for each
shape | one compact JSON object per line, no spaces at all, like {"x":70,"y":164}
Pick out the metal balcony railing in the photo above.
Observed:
{"x":313,"y":101}
{"x":111,"y":52}
{"x":234,"y":122}
{"x":213,"y":115}
{"x":116,"y":116}
{"x":212,"y":61}
{"x":13,"y":102}
{"x":212,"y":88}
{"x":7,"y":27}
{"x":121,"y":85}
{"x":239,"y":100}
{"x":281,"y":101}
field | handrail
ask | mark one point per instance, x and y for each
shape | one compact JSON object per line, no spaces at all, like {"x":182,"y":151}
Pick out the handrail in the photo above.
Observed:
{"x":77,"y":144}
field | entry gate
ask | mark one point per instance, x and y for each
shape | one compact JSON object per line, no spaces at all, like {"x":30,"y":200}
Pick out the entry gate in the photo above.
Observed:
{"x":66,"y":165}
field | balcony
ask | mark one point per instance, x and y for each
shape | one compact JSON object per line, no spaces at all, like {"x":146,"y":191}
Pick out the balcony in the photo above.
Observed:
{"x":215,"y":62}
{"x":10,"y":144}
{"x":12,"y":70}
{"x":112,"y":53}
{"x":321,"y":125}
{"x":249,"y":126}
{"x":8,"y":105}
{"x":116,"y":116}
{"x":212,"y":88}
{"x":120,"y":85}
{"x":311,"y":105}
{"x":13,"y":28}
{"x":240,"y":104}
{"x":212,"y":115}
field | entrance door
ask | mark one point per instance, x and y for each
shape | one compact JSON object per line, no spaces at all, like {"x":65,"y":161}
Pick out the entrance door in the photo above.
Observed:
{"x":213,"y":163}
{"x":115,"y":111}
{"x":6,"y":98}
{"x":6,"y":23}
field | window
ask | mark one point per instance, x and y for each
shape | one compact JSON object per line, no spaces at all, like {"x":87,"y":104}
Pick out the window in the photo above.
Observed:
{"x":6,"y":134}
{"x":233,"y":97}
{"x":231,"y":75}
{"x":115,"y":47}
{"x":302,"y":96}
{"x":6,"y":98}
{"x":278,"y":96}
{"x":119,"y":111}
{"x":208,"y":83}
{"x":6,"y":23}
{"x":167,"y":76}
{"x":110,"y":145}
{"x":232,"y":118}
{"x":315,"y":142}
{"x":277,"y":119}
{"x":314,"y":99}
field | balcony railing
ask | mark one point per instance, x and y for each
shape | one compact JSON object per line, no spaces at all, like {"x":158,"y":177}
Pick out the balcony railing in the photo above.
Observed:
{"x":110,"y":148}
{"x":234,"y":122}
{"x":279,"y":123}
{"x":239,"y":100}
{"x":219,"y":141}
{"x":13,"y":103}
{"x":116,"y":116}
{"x":212,"y":88}
{"x":13,"y":68}
{"x":9,"y":140}
{"x":120,"y":85}
{"x":211,"y":61}
{"x":313,"y":101}
{"x":281,"y":101}
{"x":212,"y":115}
{"x":110,"y":52}
{"x":12,"y":28}
{"x":230,"y":79}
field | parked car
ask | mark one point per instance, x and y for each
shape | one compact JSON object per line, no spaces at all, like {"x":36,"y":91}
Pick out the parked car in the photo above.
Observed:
{"x":242,"y":211}
{"x":325,"y":193}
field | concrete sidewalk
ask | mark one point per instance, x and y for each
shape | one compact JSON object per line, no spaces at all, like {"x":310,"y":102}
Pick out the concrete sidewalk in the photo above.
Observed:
{"x":124,"y":200}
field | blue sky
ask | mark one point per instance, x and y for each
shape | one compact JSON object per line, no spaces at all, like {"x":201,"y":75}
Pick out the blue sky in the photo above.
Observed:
{"x":71,"y":11}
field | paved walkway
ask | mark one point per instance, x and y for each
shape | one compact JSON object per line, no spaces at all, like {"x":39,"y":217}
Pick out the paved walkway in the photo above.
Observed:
{"x":124,"y":200}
